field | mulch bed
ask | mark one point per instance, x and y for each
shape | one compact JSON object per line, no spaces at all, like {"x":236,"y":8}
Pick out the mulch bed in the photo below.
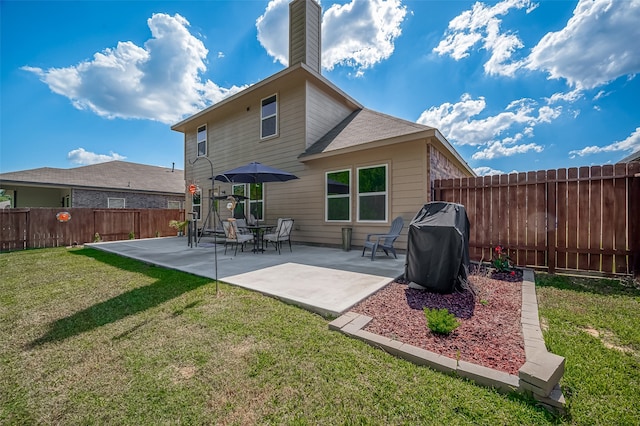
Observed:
{"x":490,"y":332}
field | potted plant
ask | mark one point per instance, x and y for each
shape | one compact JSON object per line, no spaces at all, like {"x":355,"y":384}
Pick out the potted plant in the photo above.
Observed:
{"x":179,"y":225}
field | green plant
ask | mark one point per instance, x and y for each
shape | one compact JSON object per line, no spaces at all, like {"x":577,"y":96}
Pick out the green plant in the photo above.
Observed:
{"x":96,"y":238}
{"x":132,"y":235}
{"x":178,"y":225}
{"x":157,"y":234}
{"x":440,"y":321}
{"x":501,"y":261}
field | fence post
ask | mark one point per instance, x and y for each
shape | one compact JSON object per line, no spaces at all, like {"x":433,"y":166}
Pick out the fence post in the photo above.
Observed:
{"x":551,"y":220}
{"x":634,"y":217}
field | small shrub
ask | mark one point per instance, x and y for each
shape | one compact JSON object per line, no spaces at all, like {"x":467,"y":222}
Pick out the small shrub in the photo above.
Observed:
{"x":440,"y":321}
{"x":96,"y":238}
{"x":502,"y":262}
{"x":132,"y":235}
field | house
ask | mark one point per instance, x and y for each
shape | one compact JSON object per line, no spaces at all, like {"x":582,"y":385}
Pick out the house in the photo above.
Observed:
{"x":114,"y":184}
{"x":357,"y":168}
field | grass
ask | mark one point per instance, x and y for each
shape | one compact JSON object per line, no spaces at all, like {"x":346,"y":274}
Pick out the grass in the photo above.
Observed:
{"x":88,"y":337}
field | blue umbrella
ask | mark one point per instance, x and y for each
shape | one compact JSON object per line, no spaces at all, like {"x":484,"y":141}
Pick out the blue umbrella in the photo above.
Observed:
{"x":255,"y":173}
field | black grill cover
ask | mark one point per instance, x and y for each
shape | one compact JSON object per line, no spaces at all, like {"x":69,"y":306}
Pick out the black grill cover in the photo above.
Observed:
{"x":438,"y":247}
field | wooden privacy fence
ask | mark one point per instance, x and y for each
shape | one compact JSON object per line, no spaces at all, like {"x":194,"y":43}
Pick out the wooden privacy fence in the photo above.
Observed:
{"x":576,"y":219}
{"x":38,"y":227}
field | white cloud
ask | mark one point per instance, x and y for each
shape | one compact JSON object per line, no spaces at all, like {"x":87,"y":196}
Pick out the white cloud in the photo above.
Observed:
{"x":595,"y":47}
{"x":82,"y":157}
{"x":571,"y":97}
{"x":458,"y":125}
{"x":361,"y":34}
{"x":358,"y":34}
{"x":273,"y":30}
{"x":501,"y":149}
{"x":481,"y":26}
{"x":487,"y":171}
{"x":160,"y":81}
{"x":630,"y":144}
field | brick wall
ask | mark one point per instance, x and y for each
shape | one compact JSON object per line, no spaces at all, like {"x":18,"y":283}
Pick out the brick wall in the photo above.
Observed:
{"x":99,"y":199}
{"x":441,"y":167}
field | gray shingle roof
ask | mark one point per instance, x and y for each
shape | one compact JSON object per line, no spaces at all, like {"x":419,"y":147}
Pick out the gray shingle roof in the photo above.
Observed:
{"x":120,"y":175}
{"x":361,"y":127}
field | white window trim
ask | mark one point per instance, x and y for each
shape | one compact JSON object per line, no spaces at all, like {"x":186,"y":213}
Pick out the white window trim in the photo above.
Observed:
{"x":201,"y":141}
{"x":250,"y":202}
{"x":327,"y":196}
{"x":385,"y":193}
{"x":113,"y":199}
{"x":275,"y":134}
{"x":199,"y":216}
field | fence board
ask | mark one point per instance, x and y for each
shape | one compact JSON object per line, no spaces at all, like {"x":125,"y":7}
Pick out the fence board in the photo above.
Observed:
{"x":541,"y":221}
{"x":512,"y":224}
{"x":620,"y":212}
{"x":551,"y":198}
{"x":608,"y":234}
{"x":561,"y":218}
{"x":572,"y":218}
{"x":595,"y":218}
{"x":583,"y":217}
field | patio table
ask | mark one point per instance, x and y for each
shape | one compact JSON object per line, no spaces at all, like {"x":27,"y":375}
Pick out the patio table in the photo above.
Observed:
{"x":258,"y":233}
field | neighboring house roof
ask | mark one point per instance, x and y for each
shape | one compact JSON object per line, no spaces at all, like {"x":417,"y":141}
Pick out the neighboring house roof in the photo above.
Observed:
{"x":633,"y":157}
{"x":112,"y":175}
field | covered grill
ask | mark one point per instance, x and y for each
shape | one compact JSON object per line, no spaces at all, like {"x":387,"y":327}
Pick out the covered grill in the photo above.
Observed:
{"x":438,"y":248}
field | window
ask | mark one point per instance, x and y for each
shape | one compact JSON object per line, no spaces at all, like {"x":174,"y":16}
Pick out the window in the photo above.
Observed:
{"x":372,"y":194}
{"x":269,"y":117}
{"x":196,"y":204}
{"x":202,"y":141}
{"x":337,"y":189}
{"x":173,"y":205}
{"x":255,"y":201}
{"x":238,"y":212}
{"x":115,"y":203}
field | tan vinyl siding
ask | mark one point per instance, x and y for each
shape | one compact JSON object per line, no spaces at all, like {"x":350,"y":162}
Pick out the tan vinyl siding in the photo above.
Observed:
{"x":323,"y":113}
{"x":407,"y":192}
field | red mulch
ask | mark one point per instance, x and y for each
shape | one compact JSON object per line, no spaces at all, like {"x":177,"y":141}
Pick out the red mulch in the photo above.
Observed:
{"x":490,"y":332}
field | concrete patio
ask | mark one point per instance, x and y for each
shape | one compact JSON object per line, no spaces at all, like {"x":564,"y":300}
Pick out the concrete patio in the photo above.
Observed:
{"x":321,"y":279}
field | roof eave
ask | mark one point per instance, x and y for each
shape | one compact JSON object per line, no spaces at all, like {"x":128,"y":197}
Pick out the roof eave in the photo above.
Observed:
{"x":184,"y":124}
{"x":421,"y":134}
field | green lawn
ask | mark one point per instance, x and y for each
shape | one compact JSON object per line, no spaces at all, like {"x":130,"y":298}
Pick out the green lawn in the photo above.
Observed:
{"x":87,"y":337}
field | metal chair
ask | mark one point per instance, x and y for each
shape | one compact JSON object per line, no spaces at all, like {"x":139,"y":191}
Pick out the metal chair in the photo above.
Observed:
{"x":233,"y":236}
{"x":384,"y":241}
{"x":281,"y":233}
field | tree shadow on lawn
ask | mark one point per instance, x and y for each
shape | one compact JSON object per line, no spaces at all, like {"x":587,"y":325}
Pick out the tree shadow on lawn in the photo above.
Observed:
{"x":600,"y":286}
{"x":169,"y":284}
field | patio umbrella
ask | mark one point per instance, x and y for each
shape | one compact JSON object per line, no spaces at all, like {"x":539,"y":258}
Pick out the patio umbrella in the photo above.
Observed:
{"x":255,"y":173}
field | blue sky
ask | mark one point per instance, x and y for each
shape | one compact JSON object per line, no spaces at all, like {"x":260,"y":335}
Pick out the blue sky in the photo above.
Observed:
{"x":514,"y":85}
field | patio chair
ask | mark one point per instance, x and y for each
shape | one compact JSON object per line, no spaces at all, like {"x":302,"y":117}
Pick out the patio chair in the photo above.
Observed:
{"x":233,"y":236}
{"x":281,"y":233}
{"x":384,"y":241}
{"x":241,"y":224}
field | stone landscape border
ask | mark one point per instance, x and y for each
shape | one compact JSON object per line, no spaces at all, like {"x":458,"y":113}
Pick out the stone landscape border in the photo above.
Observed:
{"x":539,"y":377}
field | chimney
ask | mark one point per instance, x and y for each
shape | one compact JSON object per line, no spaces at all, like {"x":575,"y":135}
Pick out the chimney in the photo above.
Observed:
{"x":305,"y":33}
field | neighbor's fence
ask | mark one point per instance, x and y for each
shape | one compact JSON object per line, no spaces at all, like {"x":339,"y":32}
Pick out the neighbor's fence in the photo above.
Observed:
{"x":576,"y":219}
{"x":38,"y":227}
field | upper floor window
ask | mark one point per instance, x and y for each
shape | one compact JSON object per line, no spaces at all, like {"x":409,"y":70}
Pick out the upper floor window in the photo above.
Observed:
{"x":173,"y":205}
{"x":269,"y":117}
{"x":372,"y":194}
{"x":338,"y":193}
{"x":202,"y":141}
